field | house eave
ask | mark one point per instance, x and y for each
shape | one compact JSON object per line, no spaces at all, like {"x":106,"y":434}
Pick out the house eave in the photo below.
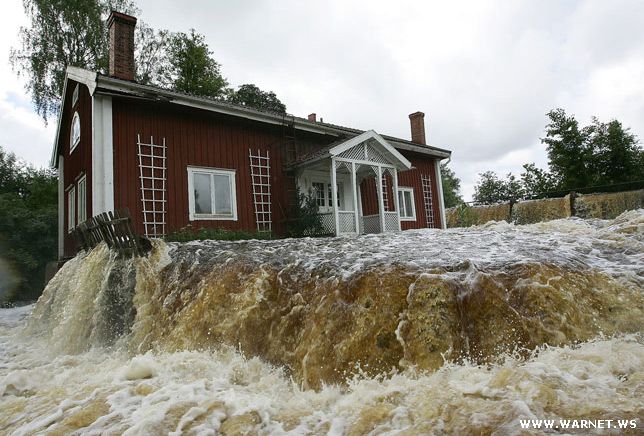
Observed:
{"x":98,"y":83}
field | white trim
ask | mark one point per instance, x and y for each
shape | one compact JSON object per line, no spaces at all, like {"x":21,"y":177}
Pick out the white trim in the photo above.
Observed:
{"x":334,"y":197}
{"x":71,"y":208}
{"x":81,"y":199}
{"x":231,"y":173}
{"x":441,"y":201}
{"x":371,"y":134}
{"x":73,"y":142}
{"x":402,"y":190}
{"x":61,"y":207}
{"x":102,"y":155}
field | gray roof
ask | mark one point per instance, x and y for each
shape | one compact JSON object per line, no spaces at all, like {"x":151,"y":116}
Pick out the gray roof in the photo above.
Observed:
{"x":103,"y":84}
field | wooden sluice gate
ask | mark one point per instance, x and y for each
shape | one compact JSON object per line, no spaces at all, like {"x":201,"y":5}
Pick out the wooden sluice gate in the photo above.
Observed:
{"x":116,"y":229}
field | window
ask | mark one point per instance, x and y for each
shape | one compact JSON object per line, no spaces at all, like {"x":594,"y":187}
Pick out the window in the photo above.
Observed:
{"x":82,"y":199}
{"x":75,"y":136}
{"x":212,"y":194}
{"x":319,"y":193}
{"x":406,"y":204}
{"x":71,"y":208}
{"x":322,"y":193}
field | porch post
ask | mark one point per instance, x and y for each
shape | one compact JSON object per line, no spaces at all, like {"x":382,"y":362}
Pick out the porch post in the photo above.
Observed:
{"x":381,"y":202}
{"x":334,"y":198}
{"x":354,"y":187}
{"x":396,"y":196}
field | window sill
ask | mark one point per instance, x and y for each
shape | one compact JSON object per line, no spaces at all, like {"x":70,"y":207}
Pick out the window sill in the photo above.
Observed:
{"x":407,"y":219}
{"x":213,"y":218}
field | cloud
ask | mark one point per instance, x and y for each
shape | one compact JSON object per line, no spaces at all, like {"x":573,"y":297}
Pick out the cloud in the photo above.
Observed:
{"x":484,"y":72}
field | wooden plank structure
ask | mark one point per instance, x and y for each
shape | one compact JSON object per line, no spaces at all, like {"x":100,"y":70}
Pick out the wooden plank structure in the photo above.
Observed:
{"x":116,"y":229}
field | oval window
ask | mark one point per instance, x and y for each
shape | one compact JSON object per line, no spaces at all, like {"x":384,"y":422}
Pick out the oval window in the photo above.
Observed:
{"x":75,"y":137}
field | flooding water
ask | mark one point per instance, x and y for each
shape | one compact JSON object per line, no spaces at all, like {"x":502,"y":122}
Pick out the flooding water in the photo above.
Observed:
{"x":459,"y":331}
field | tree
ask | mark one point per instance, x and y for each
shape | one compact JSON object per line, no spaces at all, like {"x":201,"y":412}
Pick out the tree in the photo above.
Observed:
{"x":62,"y":33}
{"x":28,"y":225}
{"x":616,"y":157}
{"x":536,"y":182}
{"x":568,"y":153}
{"x":191,"y":68}
{"x":151,"y":54}
{"x":451,"y":187}
{"x":251,"y":96}
{"x":490,"y":189}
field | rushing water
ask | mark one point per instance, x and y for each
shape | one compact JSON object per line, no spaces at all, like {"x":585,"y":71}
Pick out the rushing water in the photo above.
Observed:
{"x":459,"y":331}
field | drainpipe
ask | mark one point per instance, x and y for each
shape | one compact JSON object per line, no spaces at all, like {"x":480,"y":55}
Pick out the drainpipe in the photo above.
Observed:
{"x":439,"y":183}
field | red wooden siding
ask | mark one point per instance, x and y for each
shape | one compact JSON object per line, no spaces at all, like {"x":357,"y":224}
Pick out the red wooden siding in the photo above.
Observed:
{"x":194,"y":138}
{"x":200,"y":138}
{"x":80,"y":160}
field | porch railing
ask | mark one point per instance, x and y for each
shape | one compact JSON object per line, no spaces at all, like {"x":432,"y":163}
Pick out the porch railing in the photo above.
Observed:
{"x":368,"y":224}
{"x":346,"y":219}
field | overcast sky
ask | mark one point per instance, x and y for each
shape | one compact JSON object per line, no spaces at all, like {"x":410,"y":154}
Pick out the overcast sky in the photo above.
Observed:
{"x":484,"y":72}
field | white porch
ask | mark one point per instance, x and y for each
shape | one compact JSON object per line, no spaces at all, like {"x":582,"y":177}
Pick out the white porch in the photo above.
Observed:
{"x":335,"y":176}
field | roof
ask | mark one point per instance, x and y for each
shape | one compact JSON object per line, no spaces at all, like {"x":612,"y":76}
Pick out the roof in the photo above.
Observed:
{"x":342,"y":145}
{"x":102,"y":84}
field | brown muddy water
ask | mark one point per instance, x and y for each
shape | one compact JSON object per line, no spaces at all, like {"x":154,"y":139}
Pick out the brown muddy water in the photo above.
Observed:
{"x":462,"y":331}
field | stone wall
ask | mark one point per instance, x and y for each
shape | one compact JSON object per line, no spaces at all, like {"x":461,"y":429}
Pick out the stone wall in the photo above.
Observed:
{"x":603,"y":206}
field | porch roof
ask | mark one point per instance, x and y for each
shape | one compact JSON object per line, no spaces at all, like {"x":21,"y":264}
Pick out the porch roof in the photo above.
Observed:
{"x":336,"y":149}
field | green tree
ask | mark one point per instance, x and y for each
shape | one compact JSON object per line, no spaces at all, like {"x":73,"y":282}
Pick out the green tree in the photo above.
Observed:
{"x":28,"y":225}
{"x":568,"y":151}
{"x":251,"y":96}
{"x":489,"y":189}
{"x":616,"y":156}
{"x":451,"y":187}
{"x":535,"y":181}
{"x":191,"y":68}
{"x":62,"y":33}
{"x":151,"y":54}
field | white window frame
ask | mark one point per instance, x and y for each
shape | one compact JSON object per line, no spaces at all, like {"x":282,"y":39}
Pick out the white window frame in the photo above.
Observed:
{"x":231,"y":174}
{"x":81,"y":201}
{"x":73,"y":142}
{"x":71,"y":208}
{"x":326,"y":195}
{"x":404,"y":216}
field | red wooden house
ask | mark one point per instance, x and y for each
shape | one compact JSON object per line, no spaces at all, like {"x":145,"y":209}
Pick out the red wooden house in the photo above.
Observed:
{"x":176,"y":160}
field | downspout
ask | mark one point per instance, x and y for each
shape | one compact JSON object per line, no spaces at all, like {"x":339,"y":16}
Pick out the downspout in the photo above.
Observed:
{"x":439,"y":183}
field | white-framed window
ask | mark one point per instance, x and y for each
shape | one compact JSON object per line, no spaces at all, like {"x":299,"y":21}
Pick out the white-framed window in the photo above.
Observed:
{"x":212,"y":194}
{"x":406,"y":204}
{"x":74,"y":138}
{"x":71,"y":208}
{"x":323,"y":194}
{"x":82,"y":199}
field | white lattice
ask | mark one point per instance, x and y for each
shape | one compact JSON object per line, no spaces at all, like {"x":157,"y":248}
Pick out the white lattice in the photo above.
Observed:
{"x":347,"y":221}
{"x":354,"y":153}
{"x":260,"y":173}
{"x":391,"y":222}
{"x":328,"y":222}
{"x":371,"y":224}
{"x":374,"y":155}
{"x":152,"y":175}
{"x":426,"y":182}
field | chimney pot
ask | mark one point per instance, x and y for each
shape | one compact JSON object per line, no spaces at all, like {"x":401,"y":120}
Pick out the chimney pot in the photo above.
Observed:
{"x":312,"y":117}
{"x":121,"y":45}
{"x":417,"y":121}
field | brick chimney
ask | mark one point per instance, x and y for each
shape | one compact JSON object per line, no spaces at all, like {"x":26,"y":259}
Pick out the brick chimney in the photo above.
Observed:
{"x":121,"y":46}
{"x":313,"y":117}
{"x":417,"y":121}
